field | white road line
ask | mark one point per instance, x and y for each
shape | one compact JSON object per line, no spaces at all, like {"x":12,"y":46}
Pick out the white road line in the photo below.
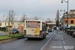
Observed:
{"x":64,"y":42}
{"x":52,"y":33}
{"x":66,"y":48}
{"x":62,"y":37}
{"x":46,"y":43}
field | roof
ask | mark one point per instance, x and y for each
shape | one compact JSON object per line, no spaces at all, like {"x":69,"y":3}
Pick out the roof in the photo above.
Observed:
{"x":8,"y":26}
{"x":33,"y":20}
{"x":52,"y":23}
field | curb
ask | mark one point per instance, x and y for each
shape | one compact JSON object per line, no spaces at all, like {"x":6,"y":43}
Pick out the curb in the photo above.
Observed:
{"x":12,"y":39}
{"x":9,"y":40}
{"x":43,"y":48}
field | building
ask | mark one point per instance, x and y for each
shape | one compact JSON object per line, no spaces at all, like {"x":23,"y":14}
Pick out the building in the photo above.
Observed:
{"x":50,"y":24}
{"x":71,"y":18}
{"x":16,"y":24}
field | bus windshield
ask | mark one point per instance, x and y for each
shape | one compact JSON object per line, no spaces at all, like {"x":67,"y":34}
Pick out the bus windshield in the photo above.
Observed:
{"x":32,"y":24}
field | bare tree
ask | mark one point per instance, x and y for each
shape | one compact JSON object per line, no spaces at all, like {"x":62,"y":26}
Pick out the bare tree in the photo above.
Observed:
{"x":12,"y":18}
{"x":36,"y":18}
{"x":23,"y":18}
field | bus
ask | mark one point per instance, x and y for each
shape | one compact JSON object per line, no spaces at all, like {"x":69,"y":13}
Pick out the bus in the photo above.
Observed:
{"x":35,"y":29}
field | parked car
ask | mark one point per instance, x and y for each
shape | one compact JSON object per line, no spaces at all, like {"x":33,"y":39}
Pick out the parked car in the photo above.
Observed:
{"x":54,"y":28}
{"x":15,"y":30}
{"x":50,"y":30}
{"x":73,"y":34}
{"x":72,"y":27}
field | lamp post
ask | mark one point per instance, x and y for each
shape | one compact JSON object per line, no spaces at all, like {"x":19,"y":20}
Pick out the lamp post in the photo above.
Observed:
{"x":67,"y":11}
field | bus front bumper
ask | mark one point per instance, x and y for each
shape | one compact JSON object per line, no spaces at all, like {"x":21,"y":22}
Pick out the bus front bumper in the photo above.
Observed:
{"x":35,"y":36}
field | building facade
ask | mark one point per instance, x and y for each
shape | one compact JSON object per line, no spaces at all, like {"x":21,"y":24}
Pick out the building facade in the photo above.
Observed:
{"x":16,"y":24}
{"x":71,"y":18}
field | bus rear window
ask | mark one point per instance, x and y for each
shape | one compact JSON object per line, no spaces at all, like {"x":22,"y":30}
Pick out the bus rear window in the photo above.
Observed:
{"x":32,"y":24}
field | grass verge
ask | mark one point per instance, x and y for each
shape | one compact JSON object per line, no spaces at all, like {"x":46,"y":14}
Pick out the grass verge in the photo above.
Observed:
{"x":17,"y":35}
{"x":4,"y":37}
{"x":8,"y":37}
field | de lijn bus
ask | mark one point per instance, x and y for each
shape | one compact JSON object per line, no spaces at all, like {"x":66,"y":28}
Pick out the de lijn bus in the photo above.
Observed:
{"x":35,"y":29}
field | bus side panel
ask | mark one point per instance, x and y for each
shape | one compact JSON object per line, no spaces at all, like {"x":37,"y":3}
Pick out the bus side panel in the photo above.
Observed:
{"x":44,"y":29}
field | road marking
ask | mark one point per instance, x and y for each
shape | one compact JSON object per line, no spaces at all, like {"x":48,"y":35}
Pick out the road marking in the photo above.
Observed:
{"x":64,"y":42}
{"x":66,"y":48}
{"x":62,"y":37}
{"x":52,"y":33}
{"x":47,"y":43}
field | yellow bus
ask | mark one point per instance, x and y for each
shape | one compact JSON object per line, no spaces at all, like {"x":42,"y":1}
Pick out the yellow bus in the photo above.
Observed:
{"x":35,"y":29}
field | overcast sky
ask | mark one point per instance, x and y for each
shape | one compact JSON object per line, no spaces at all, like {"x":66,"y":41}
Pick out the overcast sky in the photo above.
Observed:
{"x":40,"y":8}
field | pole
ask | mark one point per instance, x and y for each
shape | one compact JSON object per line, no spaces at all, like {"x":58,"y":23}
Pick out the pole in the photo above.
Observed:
{"x":24,"y":24}
{"x":14,"y":30}
{"x":67,"y":14}
{"x":9,"y":23}
{"x":6,"y":27}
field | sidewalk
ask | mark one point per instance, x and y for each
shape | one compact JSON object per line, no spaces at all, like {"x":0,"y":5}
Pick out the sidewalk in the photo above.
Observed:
{"x":69,"y":40}
{"x":61,"y":41}
{"x":3,"y":33}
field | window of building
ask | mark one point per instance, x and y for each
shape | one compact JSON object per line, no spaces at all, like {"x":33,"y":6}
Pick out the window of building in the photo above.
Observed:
{"x":72,"y":21}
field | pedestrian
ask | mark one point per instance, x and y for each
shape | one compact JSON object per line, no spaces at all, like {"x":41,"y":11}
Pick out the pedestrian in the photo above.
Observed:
{"x":63,"y":28}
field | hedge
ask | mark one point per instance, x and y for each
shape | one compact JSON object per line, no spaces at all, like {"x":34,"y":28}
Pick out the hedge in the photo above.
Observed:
{"x":3,"y":29}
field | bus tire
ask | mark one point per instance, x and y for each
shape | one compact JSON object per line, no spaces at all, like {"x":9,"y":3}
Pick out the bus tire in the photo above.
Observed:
{"x":44,"y":36}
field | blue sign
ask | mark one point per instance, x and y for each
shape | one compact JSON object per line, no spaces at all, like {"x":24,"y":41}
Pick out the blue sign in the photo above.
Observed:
{"x":67,"y":24}
{"x":63,"y":26}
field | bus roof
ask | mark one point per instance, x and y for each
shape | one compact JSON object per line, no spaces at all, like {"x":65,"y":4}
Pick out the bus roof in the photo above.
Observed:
{"x":37,"y":20}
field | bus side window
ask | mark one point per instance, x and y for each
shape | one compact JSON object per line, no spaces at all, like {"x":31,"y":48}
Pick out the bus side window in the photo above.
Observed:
{"x":44,"y":28}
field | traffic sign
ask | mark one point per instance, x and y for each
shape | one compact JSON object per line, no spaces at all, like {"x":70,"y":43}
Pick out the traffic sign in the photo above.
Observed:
{"x":67,"y":24}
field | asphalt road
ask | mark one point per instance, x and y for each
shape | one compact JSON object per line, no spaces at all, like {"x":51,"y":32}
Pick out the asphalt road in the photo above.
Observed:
{"x":25,"y":44}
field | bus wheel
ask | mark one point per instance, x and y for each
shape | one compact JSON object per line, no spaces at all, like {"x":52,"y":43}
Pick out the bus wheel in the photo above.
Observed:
{"x":44,"y":36}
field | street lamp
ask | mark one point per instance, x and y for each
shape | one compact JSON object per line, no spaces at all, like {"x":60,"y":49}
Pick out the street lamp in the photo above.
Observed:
{"x":67,"y":11}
